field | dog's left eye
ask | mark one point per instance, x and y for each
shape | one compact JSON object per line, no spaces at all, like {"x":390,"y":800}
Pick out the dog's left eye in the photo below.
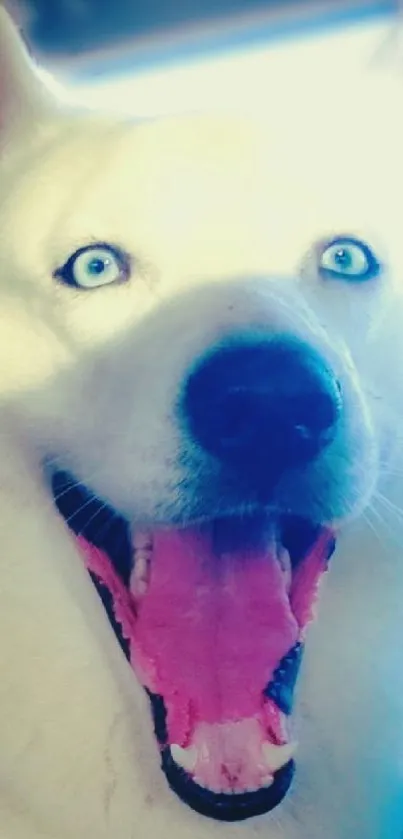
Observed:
{"x":94,"y":266}
{"x":348,"y":259}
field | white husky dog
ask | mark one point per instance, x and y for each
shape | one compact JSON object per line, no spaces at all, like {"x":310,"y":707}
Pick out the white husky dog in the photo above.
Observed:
{"x":201,"y":350}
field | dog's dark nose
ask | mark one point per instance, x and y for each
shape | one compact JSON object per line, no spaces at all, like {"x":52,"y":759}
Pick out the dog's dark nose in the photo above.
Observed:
{"x":263,"y":405}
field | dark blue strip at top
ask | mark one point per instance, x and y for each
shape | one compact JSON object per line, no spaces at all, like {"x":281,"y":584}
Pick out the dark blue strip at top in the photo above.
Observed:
{"x":195,"y":47}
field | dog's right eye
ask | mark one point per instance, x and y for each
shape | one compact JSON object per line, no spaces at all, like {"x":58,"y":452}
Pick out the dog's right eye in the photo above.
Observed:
{"x":94,"y":266}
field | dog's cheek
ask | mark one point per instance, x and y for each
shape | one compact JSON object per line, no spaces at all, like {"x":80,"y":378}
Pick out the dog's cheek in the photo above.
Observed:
{"x":31,"y":352}
{"x":105,"y":317}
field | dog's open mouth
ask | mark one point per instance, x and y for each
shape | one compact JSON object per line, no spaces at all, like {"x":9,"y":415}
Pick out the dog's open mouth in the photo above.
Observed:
{"x":213,"y":620}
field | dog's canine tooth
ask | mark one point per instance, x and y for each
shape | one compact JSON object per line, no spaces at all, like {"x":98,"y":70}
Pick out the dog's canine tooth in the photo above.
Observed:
{"x":186,"y":758}
{"x":142,"y":551}
{"x":284,"y":560}
{"x":277,"y":756}
{"x":142,"y":541}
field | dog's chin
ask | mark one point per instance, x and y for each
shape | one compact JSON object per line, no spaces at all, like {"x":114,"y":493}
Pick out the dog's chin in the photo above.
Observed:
{"x":212,"y":618}
{"x":227,"y":807}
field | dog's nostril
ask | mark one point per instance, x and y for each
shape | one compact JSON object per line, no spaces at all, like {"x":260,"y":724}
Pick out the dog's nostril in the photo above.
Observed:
{"x":314,"y":414}
{"x":263,"y":404}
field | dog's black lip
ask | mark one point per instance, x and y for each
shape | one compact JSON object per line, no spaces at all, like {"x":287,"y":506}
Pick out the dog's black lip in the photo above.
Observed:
{"x":223,"y":806}
{"x":282,"y":686}
{"x":89,"y":516}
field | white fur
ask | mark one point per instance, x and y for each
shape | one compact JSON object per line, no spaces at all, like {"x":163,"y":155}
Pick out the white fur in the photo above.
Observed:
{"x":221,"y":216}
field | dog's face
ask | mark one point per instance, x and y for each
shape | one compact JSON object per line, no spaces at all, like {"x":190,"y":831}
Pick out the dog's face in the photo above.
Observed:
{"x":193,"y":333}
{"x":173,"y":294}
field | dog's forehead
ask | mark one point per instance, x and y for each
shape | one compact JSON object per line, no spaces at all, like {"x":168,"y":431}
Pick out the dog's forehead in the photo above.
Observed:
{"x":251,"y":193}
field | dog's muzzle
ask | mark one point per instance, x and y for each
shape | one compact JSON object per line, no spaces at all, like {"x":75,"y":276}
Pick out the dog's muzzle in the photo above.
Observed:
{"x":213,"y":616}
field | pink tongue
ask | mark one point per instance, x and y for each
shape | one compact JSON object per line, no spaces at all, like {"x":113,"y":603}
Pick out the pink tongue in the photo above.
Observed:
{"x":207,"y":636}
{"x":211,"y":630}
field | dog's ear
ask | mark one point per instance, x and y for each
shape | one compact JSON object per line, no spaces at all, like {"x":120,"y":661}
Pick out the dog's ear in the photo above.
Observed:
{"x":23,"y":95}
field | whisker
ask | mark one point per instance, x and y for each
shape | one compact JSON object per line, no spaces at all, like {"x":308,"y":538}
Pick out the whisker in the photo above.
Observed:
{"x":371,"y":525}
{"x":82,"y":484}
{"x":67,"y":488}
{"x":103,"y":531}
{"x":53,"y":498}
{"x":390,"y":518}
{"x":116,"y":544}
{"x":390,"y":505}
{"x":387,"y":468}
{"x":82,"y":507}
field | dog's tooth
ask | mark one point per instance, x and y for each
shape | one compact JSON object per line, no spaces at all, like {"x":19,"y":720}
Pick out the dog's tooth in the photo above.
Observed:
{"x":142,"y":553}
{"x":216,"y":789}
{"x":186,"y":758}
{"x":142,"y":541}
{"x":284,"y":559}
{"x":277,"y":756}
{"x":199,"y":782}
{"x":267,"y":781}
{"x":139,"y":578}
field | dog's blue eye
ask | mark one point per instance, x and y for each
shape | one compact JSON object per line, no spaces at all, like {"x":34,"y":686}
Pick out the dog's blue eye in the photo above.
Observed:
{"x":348,"y":259}
{"x":94,"y":266}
